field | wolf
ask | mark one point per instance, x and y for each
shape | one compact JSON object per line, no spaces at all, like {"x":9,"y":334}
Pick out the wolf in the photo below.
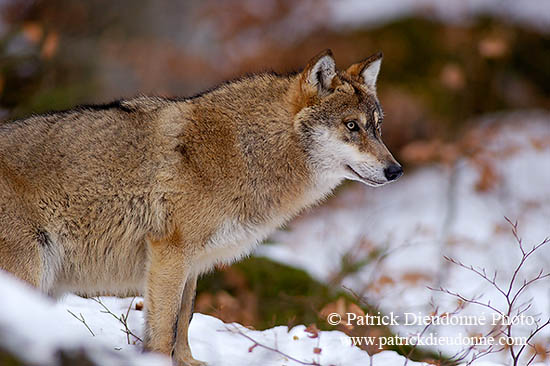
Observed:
{"x":143,"y":195}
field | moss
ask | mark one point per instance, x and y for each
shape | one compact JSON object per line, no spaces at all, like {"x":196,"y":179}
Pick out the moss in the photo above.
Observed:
{"x":9,"y":359}
{"x":54,"y":99}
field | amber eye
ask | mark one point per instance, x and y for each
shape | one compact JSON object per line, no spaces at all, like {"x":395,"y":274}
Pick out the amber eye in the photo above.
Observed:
{"x":352,"y":126}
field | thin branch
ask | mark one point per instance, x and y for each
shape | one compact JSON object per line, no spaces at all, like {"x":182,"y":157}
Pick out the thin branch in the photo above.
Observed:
{"x":413,"y":348}
{"x":480,"y":272}
{"x":511,"y":298}
{"x":532,"y":335}
{"x":123,"y":319}
{"x":526,"y":284}
{"x":82,"y":320}
{"x":472,"y":300}
{"x":236,"y":330}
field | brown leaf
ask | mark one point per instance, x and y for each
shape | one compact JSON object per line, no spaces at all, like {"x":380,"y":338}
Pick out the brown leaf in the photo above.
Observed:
{"x":385,"y":281}
{"x":33,"y":32}
{"x":415,"y":278}
{"x":488,"y":178}
{"x":540,"y":350}
{"x":312,"y":330}
{"x":540,"y":143}
{"x":452,"y":77}
{"x":420,"y":152}
{"x":493,"y":47}
{"x":49,"y":48}
{"x":355,"y":309}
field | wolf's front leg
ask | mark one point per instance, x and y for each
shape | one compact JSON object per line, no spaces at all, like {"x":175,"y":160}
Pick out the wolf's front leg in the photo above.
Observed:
{"x":167,"y":273}
{"x":182,"y":352}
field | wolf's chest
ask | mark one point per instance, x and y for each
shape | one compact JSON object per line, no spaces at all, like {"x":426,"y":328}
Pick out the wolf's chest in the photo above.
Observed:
{"x":232,"y":241}
{"x":233,"y":234}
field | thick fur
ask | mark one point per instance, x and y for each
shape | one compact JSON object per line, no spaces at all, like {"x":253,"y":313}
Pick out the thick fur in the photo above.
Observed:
{"x":143,"y":195}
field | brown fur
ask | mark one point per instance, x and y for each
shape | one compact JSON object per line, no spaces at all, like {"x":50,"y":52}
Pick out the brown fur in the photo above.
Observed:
{"x":143,"y":195}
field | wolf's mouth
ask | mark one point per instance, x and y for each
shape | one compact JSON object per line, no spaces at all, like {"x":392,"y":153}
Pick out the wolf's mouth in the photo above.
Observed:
{"x":366,"y":180}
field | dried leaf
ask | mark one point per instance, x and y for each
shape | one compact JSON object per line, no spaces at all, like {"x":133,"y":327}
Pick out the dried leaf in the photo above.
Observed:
{"x":33,"y":32}
{"x":312,"y":330}
{"x":452,"y":77}
{"x":355,"y":309}
{"x":51,"y":43}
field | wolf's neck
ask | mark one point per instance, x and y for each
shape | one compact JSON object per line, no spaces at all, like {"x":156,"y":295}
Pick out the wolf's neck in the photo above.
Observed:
{"x":264,"y":166}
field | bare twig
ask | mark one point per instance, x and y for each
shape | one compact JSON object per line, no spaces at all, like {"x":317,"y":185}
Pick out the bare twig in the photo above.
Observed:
{"x":255,"y":344}
{"x":472,"y":300}
{"x":123,"y":318}
{"x":511,"y":297}
{"x":435,"y":311}
{"x":82,"y":320}
{"x":538,"y":329}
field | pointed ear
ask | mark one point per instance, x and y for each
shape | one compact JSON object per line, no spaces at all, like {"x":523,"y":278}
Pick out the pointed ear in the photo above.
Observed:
{"x":367,"y":71}
{"x":320,"y":71}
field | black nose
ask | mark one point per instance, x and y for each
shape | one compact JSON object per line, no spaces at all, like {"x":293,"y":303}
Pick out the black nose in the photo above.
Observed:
{"x":393,"y":172}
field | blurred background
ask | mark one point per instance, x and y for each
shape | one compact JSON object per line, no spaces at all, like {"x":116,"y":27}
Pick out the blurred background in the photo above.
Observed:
{"x":447,"y":66}
{"x":445,"y":61}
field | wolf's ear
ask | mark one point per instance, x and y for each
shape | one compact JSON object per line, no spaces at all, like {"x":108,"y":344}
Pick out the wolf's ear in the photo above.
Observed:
{"x":367,"y":71}
{"x":320,"y":71}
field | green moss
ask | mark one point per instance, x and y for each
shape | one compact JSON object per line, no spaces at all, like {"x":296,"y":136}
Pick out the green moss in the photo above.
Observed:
{"x":8,"y":359}
{"x":59,"y":98}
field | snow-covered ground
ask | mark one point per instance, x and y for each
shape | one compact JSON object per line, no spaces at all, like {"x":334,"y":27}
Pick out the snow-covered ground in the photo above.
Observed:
{"x":432,"y":213}
{"x":35,"y":328}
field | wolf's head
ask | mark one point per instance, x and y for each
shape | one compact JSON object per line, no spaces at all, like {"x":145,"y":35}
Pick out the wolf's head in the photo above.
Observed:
{"x":339,"y":119}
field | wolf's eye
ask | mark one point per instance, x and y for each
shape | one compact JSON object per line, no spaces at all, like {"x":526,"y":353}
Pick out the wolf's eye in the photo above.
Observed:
{"x":352,"y":125}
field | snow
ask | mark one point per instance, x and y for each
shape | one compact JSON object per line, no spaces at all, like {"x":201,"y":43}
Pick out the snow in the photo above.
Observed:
{"x":35,"y":327}
{"x":295,"y":342}
{"x":421,"y":218}
{"x":353,"y":13}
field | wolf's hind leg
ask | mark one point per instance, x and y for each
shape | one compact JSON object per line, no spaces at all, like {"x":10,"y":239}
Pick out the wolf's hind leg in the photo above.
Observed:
{"x":26,"y":250}
{"x":22,"y":255}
